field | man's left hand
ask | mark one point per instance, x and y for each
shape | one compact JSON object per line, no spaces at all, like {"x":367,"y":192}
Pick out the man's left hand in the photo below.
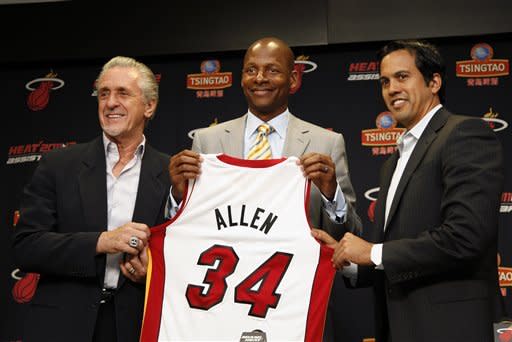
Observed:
{"x":349,"y":249}
{"x":320,"y":169}
{"x":354,"y":249}
{"x":135,"y":267}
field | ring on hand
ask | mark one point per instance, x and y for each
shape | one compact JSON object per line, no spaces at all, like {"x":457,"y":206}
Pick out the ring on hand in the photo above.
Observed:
{"x":325,"y":169}
{"x":131,"y":270}
{"x":134,"y":242}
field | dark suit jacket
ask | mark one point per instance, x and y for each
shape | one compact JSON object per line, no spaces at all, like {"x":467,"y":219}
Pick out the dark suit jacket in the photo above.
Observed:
{"x":301,"y":137}
{"x":63,"y":212}
{"x":440,"y":243}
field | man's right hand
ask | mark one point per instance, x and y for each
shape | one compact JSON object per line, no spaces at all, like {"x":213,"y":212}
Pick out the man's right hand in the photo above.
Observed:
{"x":182,"y":167}
{"x":118,"y":240}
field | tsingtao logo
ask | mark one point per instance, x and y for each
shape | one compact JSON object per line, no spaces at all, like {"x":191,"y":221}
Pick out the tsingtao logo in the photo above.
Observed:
{"x":482,"y":69}
{"x":504,"y":276}
{"x":40,"y":89}
{"x":210,"y":82}
{"x":382,"y":139}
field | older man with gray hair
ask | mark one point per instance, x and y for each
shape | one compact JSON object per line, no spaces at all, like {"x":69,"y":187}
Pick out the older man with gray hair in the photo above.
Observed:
{"x":85,"y":216}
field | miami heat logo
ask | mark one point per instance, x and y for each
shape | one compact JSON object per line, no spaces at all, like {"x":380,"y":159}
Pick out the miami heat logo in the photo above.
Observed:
{"x":371,"y":195}
{"x":302,"y":66}
{"x":25,"y":286}
{"x":192,"y":132}
{"x":494,"y":122}
{"x":40,"y":90}
{"x":15,"y":218}
{"x":505,"y":333}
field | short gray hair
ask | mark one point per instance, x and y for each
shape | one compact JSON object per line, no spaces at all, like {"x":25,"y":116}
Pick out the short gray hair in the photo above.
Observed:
{"x":147,"y":81}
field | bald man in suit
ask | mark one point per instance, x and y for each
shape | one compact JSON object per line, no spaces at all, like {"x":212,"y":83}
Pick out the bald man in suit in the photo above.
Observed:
{"x":268,"y":75}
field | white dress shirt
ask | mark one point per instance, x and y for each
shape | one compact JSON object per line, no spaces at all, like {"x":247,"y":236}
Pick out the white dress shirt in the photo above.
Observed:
{"x":121,"y":195}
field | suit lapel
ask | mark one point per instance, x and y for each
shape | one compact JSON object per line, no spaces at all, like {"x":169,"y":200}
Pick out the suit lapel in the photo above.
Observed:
{"x":428,"y":136}
{"x":380,"y":211}
{"x":232,"y":139}
{"x":150,"y":193}
{"x":92,"y":182}
{"x":297,"y":138}
{"x":151,"y":189}
{"x":93,"y":186}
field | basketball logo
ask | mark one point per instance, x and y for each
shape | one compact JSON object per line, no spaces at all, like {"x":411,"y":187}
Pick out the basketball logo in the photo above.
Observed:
{"x":40,"y":91}
{"x":24,"y":288}
{"x":300,"y":66}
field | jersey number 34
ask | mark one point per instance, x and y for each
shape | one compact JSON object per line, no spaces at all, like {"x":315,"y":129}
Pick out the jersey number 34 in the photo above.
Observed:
{"x":269,"y":274}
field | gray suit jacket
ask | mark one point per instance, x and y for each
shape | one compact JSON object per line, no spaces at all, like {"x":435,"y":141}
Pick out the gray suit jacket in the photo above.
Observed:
{"x":301,"y":137}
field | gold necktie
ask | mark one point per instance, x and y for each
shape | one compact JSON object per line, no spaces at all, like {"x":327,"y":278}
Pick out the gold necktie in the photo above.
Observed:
{"x":261,"y":148}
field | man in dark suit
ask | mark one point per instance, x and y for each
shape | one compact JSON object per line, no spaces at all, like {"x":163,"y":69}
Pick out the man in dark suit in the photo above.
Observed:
{"x":267,"y":76}
{"x":85,"y":216}
{"x":432,"y":255}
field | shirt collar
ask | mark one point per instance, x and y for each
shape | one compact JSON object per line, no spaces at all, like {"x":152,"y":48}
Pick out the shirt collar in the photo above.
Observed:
{"x":279,"y":123}
{"x":418,"y":129}
{"x":111,"y":147}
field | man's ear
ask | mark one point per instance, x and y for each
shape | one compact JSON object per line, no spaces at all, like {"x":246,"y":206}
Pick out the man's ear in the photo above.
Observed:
{"x":293,"y":78}
{"x":150,"y":109}
{"x":436,"y":83}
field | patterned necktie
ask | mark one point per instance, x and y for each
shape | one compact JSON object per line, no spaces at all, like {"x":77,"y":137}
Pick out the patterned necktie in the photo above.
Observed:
{"x":261,"y":148}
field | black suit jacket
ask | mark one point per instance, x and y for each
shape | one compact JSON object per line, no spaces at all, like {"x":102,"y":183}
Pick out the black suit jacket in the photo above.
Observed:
{"x":63,"y":211}
{"x":439,"y":254}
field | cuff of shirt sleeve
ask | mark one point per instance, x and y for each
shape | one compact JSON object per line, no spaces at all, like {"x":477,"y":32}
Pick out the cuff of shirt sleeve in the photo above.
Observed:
{"x":171,"y":207}
{"x":350,"y":272}
{"x":376,"y":256}
{"x":337,"y":208}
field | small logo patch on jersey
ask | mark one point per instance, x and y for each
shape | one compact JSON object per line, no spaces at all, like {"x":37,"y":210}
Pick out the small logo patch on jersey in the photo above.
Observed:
{"x":254,"y":336}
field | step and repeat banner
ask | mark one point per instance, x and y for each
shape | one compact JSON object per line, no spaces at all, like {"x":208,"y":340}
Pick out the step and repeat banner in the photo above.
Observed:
{"x":53,"y":105}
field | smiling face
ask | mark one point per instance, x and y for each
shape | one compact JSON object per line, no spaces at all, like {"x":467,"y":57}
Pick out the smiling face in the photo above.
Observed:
{"x":267,"y":77}
{"x":122,"y":107}
{"x":404,"y":90}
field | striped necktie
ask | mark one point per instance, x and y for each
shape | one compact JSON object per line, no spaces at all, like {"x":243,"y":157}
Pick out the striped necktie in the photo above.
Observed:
{"x":261,"y":148}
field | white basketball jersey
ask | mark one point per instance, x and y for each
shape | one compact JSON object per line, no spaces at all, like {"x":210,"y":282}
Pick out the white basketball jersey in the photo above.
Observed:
{"x":238,"y":257}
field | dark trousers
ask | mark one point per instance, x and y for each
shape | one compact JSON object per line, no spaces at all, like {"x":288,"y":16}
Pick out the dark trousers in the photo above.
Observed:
{"x":105,"y":330}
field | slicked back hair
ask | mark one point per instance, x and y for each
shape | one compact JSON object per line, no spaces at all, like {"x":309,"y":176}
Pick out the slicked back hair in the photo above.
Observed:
{"x":427,"y":58}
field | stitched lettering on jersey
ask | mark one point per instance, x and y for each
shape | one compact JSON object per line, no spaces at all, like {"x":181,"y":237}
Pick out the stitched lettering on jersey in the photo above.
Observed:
{"x":233,"y":216}
{"x":259,"y":289}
